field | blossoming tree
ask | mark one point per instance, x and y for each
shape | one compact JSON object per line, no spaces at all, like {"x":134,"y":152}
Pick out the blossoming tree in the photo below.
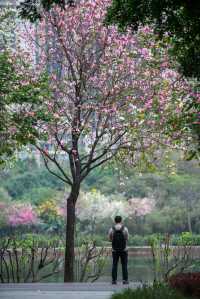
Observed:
{"x":110,"y":94}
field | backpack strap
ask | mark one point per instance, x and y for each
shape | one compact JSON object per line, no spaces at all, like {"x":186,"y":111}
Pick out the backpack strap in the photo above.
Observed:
{"x":122,"y":228}
{"x":113,"y":228}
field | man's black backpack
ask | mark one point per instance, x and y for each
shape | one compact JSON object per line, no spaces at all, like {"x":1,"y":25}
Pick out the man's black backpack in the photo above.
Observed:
{"x":118,"y":239}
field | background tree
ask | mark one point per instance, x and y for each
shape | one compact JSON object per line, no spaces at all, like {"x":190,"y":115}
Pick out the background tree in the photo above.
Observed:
{"x":20,"y":101}
{"x":32,"y":9}
{"x":21,"y":92}
{"x":109,"y":95}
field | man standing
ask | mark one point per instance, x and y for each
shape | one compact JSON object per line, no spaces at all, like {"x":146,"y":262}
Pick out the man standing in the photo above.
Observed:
{"x":118,"y":235}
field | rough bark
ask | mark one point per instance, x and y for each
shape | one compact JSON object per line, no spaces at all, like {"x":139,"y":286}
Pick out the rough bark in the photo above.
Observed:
{"x":70,"y":236}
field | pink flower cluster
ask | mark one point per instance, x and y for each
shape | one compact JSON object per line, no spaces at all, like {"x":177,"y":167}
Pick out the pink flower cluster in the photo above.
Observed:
{"x":21,"y":215}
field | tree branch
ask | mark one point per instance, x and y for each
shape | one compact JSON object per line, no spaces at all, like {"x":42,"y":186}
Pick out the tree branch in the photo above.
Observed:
{"x":88,"y":167}
{"x":66,"y":179}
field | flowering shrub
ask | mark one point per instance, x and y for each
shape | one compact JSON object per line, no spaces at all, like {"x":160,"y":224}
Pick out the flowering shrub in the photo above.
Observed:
{"x":21,"y":214}
{"x":48,"y":209}
{"x":140,"y":206}
{"x":51,"y":216}
{"x":187,"y":283}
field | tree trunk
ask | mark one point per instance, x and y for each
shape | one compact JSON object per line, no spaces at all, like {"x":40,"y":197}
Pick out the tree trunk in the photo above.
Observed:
{"x":70,"y":236}
{"x":189,"y":209}
{"x":189,"y":221}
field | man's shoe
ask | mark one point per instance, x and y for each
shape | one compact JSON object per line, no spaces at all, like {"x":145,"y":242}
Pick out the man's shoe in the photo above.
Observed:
{"x":125,"y":282}
{"x":114,"y":282}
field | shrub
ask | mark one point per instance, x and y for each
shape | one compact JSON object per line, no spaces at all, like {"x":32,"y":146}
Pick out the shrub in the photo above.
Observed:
{"x":30,"y":258}
{"x":152,"y":292}
{"x":194,"y":239}
{"x":186,"y":283}
{"x":168,"y":260}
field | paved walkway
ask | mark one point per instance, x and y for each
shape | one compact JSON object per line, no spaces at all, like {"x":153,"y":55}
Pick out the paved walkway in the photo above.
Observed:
{"x":61,"y":290}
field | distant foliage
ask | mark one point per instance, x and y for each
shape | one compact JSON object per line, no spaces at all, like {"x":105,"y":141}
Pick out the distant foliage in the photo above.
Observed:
{"x":168,"y":198}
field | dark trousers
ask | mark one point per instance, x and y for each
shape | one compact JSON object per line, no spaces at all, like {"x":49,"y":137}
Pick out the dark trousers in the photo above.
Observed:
{"x":123,"y":255}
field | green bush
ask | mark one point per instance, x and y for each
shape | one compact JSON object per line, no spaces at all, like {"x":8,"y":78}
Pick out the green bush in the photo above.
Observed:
{"x":39,"y":195}
{"x":137,"y":240}
{"x":152,"y":292}
{"x":191,"y":239}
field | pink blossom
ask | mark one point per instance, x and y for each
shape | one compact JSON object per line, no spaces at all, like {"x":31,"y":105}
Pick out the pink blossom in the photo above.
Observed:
{"x":21,"y":215}
{"x":145,"y":53}
{"x":146,"y":29}
{"x":169,"y":74}
{"x":13,"y":129}
{"x":148,"y":104}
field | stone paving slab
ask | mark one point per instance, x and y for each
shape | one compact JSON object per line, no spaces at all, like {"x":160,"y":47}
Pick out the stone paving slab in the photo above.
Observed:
{"x":97,"y":286}
{"x":61,"y":290}
{"x":55,"y":295}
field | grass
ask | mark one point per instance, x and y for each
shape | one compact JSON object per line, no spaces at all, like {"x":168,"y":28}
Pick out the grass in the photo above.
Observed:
{"x":150,"y":292}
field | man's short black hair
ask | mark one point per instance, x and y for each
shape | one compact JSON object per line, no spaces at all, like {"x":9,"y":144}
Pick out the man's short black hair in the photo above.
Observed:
{"x":118,"y":219}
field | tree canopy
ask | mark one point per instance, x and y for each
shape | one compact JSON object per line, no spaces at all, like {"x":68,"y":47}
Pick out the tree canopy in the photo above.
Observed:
{"x":178,"y":19}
